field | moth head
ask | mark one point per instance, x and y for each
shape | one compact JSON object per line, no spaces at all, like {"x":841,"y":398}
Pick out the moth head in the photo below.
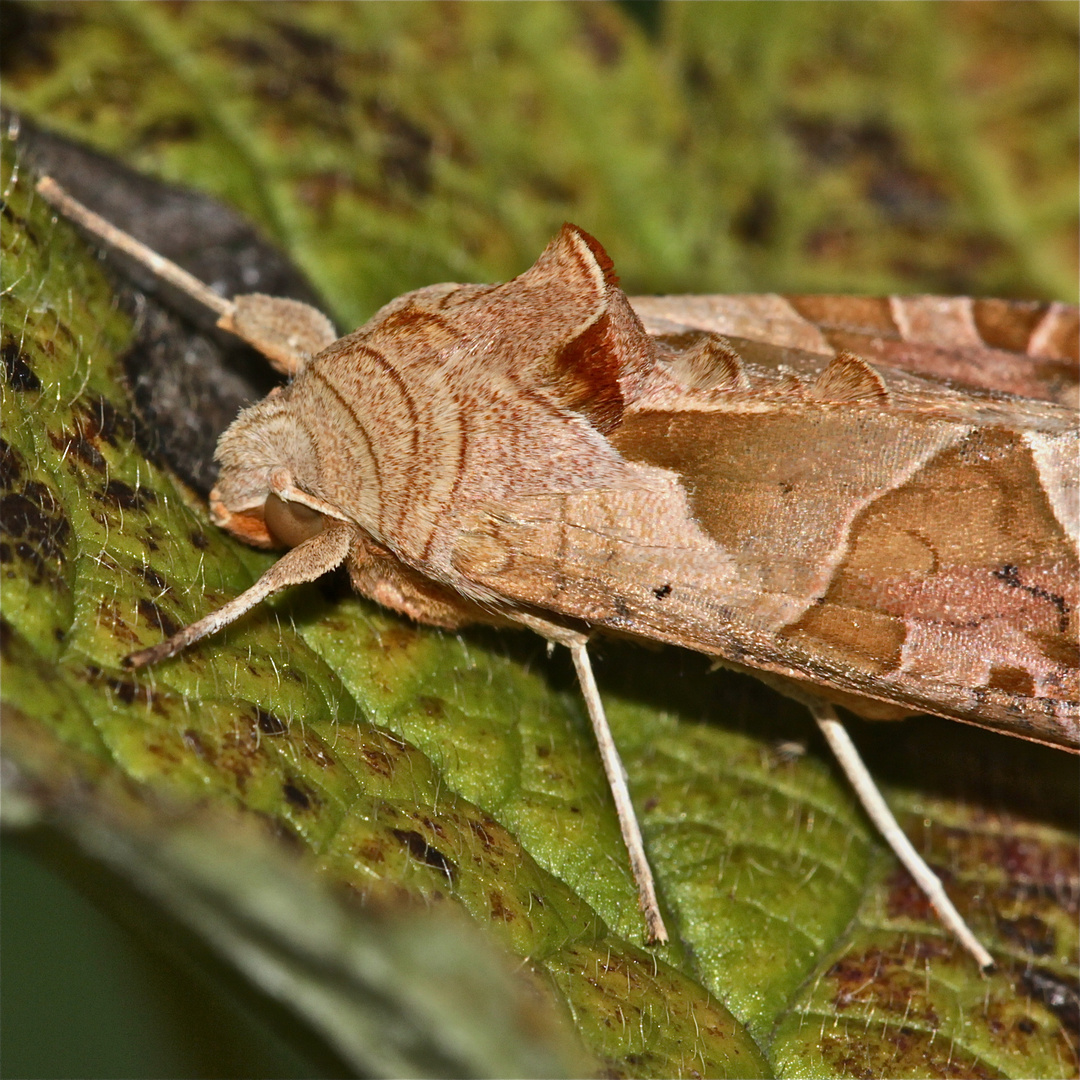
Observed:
{"x":262,"y":440}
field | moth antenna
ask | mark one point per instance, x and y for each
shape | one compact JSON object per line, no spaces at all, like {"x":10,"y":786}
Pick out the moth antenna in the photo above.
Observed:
{"x":655,"y":931}
{"x":878,"y":810}
{"x":305,"y":562}
{"x":164,"y":268}
{"x":287,"y":332}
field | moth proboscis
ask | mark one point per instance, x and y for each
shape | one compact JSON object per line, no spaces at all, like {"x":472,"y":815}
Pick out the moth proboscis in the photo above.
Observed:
{"x":548,"y":453}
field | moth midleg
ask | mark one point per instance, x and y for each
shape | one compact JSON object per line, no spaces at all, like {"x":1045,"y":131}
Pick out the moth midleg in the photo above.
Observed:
{"x":305,"y":562}
{"x":655,"y":931}
{"x":878,"y":810}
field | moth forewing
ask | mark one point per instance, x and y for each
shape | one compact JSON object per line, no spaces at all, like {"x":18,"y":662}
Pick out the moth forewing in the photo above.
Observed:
{"x":890,"y":550}
{"x":528,"y":453}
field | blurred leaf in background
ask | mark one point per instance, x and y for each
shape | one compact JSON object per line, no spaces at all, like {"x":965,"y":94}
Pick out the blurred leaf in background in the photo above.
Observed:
{"x":711,"y":147}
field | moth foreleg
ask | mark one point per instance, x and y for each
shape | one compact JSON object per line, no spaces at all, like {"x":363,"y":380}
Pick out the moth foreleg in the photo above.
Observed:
{"x":882,"y":817}
{"x":310,"y":560}
{"x":655,"y":930}
{"x":287,"y":332}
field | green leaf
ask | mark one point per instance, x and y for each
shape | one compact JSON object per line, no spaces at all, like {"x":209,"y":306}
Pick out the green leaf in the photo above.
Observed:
{"x":407,"y":144}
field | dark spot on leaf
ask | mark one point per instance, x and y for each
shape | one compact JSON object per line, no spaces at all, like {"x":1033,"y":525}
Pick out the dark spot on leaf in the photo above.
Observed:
{"x":421,"y":850}
{"x":199,"y":540}
{"x":317,"y":754}
{"x":124,"y":690}
{"x":269,"y":724}
{"x":1030,"y":933}
{"x":35,"y":515}
{"x":434,"y":826}
{"x":100,"y":419}
{"x":1060,"y":996}
{"x":73,"y":445}
{"x":906,"y":900}
{"x":296,"y":796}
{"x":151,"y":577}
{"x":110,"y":617}
{"x":898,"y":988}
{"x":37,"y":530}
{"x":398,"y":636}
{"x":1027,"y":1026}
{"x":543,"y":751}
{"x":12,"y":465}
{"x":194,"y":742}
{"x":482,"y":834}
{"x":20,"y":375}
{"x":96,"y":420}
{"x":125,"y":497}
{"x":6,"y":635}
{"x":370,"y":851}
{"x":378,"y":761}
{"x":154,"y":616}
{"x":499,"y":911}
{"x":432,"y":707}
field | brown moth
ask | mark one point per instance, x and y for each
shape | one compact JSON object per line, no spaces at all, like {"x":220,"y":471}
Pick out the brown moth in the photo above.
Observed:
{"x":816,"y":511}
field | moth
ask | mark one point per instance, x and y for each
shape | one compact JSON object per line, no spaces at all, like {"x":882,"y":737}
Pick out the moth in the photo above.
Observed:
{"x":816,"y":510}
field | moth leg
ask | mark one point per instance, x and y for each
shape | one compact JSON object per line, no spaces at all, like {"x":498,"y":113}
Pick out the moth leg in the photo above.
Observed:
{"x":878,"y":810}
{"x":655,"y":931}
{"x":287,"y":332}
{"x":305,"y":562}
{"x":576,"y":642}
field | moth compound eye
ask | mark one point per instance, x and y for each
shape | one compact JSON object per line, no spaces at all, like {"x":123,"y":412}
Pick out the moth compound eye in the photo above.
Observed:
{"x":290,"y":523}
